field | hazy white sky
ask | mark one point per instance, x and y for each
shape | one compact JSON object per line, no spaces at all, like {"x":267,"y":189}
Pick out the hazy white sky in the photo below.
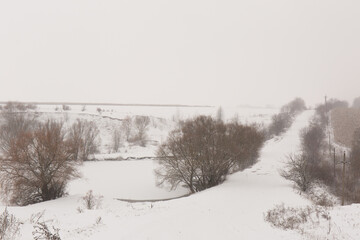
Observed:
{"x":186,"y":51}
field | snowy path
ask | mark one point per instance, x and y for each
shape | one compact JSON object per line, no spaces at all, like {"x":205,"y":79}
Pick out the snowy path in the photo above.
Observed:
{"x":233,"y":210}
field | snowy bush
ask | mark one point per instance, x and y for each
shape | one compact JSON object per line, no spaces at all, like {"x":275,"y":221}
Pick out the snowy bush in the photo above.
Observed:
{"x":116,"y":140}
{"x":319,"y":195}
{"x":83,"y":139}
{"x":9,"y":226}
{"x":282,"y":121}
{"x":141,"y":125}
{"x":43,"y":232}
{"x":279,"y":124}
{"x":295,"y":218}
{"x":298,"y":170}
{"x":91,"y":201}
{"x":126,"y":126}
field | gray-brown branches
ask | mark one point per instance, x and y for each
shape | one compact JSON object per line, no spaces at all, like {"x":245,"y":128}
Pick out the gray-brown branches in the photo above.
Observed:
{"x":203,"y":151}
{"x":37,"y":165}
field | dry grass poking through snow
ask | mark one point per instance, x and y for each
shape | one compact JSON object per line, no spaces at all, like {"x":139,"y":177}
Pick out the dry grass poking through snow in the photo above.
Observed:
{"x":344,"y":122}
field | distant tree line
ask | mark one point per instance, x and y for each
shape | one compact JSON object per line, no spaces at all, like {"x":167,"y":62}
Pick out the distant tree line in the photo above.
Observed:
{"x":282,"y":121}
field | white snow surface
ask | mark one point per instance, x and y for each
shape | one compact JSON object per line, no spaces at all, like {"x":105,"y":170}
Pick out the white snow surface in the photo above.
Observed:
{"x":232,"y":210}
{"x":133,"y":180}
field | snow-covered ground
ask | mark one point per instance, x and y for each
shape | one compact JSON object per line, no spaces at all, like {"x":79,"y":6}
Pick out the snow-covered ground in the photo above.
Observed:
{"x":233,"y":210}
{"x":123,"y":180}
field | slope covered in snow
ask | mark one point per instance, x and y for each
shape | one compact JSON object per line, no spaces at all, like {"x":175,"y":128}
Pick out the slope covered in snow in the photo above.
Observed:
{"x":232,"y":210}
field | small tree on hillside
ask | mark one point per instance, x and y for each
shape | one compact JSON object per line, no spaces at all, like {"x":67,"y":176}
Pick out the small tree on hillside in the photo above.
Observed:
{"x":141,"y":125}
{"x":83,"y":138}
{"x":116,"y":140}
{"x":298,"y":170}
{"x":37,"y":165}
{"x":279,"y":123}
{"x":312,"y":142}
{"x":126,"y":126}
{"x":201,"y":152}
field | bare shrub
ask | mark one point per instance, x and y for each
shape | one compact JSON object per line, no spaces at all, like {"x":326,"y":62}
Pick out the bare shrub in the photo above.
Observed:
{"x":43,"y":232}
{"x":66,"y":107}
{"x":91,"y":201}
{"x":126,"y":126}
{"x":319,"y":195}
{"x":312,"y":142}
{"x":98,"y":220}
{"x":116,"y":140}
{"x":9,"y":226}
{"x":201,"y":152}
{"x":294,"y":107}
{"x":83,"y":139}
{"x":299,"y":171}
{"x":294,"y":218}
{"x":141,"y":124}
{"x":324,"y":171}
{"x":282,"y":121}
{"x":37,"y":165}
{"x":279,"y":123}
{"x":14,"y":125}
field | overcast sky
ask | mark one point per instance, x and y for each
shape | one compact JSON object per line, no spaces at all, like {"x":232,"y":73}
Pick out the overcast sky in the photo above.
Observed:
{"x":213,"y":52}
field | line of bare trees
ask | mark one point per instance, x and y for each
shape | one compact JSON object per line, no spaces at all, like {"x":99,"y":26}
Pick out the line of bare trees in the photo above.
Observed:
{"x":282,"y":121}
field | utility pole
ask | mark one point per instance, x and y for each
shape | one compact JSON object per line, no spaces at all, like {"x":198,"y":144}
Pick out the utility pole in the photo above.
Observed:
{"x":327,"y":112}
{"x":343,"y":181}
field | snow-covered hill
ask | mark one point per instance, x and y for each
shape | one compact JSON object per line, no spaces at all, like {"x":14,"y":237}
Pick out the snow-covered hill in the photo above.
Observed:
{"x":233,"y":210}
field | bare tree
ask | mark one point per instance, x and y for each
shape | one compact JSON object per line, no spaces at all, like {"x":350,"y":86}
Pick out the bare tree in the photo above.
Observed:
{"x":38,"y":165}
{"x":279,"y":123}
{"x":83,"y":136}
{"x":126,"y":126}
{"x":298,"y":170}
{"x":116,"y":140}
{"x":141,"y":125}
{"x":201,"y":152}
{"x":313,"y":142}
{"x":14,"y":124}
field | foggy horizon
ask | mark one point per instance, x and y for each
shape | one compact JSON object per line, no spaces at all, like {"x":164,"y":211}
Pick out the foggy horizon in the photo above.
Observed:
{"x":256,"y":53}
